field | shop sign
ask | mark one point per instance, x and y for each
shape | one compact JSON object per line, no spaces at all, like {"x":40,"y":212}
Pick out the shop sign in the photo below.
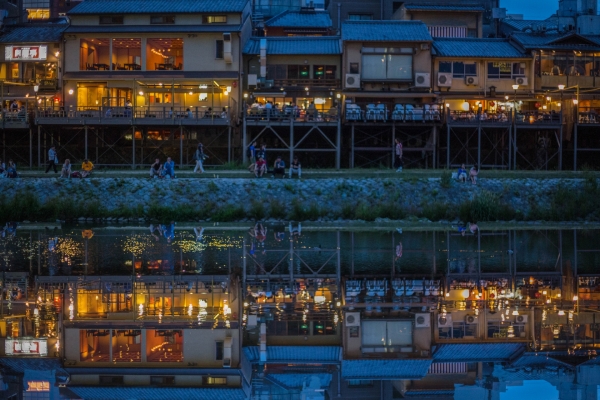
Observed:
{"x":26,"y":347}
{"x":26,"y":53}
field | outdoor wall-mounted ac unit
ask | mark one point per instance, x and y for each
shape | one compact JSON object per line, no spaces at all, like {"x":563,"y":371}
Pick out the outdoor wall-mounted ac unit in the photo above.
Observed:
{"x":422,"y":320}
{"x":444,"y":79}
{"x":471,"y":80}
{"x":521,"y":319}
{"x":470,"y":319}
{"x":353,"y":81}
{"x":444,"y":320}
{"x":422,"y":79}
{"x":352,"y":319}
{"x":521,"y":81}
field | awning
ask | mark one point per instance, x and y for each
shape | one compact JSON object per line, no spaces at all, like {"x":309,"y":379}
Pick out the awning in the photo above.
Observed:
{"x":392,"y":94}
{"x":145,"y":75}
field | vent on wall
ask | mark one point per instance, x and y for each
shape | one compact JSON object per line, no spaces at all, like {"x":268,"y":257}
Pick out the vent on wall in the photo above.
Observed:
{"x":422,"y":79}
{"x":352,"y":319}
{"x":422,"y":320}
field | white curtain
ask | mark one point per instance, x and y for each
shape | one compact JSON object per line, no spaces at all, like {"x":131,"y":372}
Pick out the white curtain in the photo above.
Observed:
{"x":399,"y":67}
{"x":374,"y":66}
{"x":373,"y":333}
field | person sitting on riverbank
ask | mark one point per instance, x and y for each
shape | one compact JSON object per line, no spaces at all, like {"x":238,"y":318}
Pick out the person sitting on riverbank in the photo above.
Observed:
{"x":279,"y":167}
{"x":260,"y":167}
{"x":155,"y":169}
{"x":86,"y":168}
{"x":295,"y":167}
{"x":473,"y":174}
{"x":462,"y":173}
{"x":65,"y":172}
{"x":169,"y":168}
{"x":11,"y":170}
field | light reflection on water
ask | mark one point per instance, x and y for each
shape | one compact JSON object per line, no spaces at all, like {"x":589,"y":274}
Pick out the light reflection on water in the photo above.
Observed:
{"x":218,"y":251}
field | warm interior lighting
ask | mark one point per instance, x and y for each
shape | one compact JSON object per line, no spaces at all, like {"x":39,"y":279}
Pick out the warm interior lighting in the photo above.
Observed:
{"x":515,"y":87}
{"x":561,"y":87}
{"x":561,"y":313}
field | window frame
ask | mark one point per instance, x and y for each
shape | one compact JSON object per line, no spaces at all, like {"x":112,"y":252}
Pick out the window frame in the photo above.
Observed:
{"x":360,"y":17}
{"x":162,"y":380}
{"x":114,"y":19}
{"x":206,"y":19}
{"x":219,"y":350}
{"x":164,"y":19}
{"x":219,"y":49}
{"x":206,"y":381}
{"x":500,"y":75}
{"x":453,"y":68}
{"x":111,"y":380}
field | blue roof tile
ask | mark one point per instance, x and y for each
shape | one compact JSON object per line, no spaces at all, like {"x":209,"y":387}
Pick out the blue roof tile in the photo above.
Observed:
{"x":475,"y":352}
{"x":34,"y":33}
{"x":385,"y":31}
{"x":155,"y":393}
{"x":291,"y":380}
{"x":539,"y":360}
{"x":473,"y":7}
{"x":295,"y":45}
{"x":525,"y":24}
{"x":385,"y":369}
{"x":555,"y":41}
{"x":19,"y":365}
{"x":481,"y":48}
{"x":300,"y":19}
{"x":95,"y":7}
{"x":284,"y":354}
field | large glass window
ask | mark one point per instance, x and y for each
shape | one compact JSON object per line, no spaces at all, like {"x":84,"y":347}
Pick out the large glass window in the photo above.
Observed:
{"x":360,"y":17}
{"x":386,"y":333}
{"x":94,"y":345}
{"x":126,"y":345}
{"x":505,"y":70}
{"x":37,"y":9}
{"x":164,"y":54}
{"x":555,"y":63}
{"x":459,"y":69}
{"x":164,"y":345}
{"x":324,"y":71}
{"x":126,"y":54}
{"x":94,"y":54}
{"x":387,"y":63}
{"x":214,"y":19}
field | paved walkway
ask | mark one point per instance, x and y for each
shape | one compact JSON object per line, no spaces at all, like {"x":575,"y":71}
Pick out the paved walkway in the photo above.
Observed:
{"x":356,"y":173}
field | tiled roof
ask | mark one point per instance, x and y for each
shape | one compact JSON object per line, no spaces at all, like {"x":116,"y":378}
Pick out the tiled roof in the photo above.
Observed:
{"x":484,"y":48}
{"x":473,"y":7}
{"x":95,"y":7}
{"x":522,"y":24}
{"x":593,"y":361}
{"x":151,"y":28}
{"x":300,"y":19}
{"x":385,"y":369}
{"x":478,"y":352}
{"x":155,"y":393}
{"x":34,"y":34}
{"x":295,"y":45}
{"x":385,"y":31}
{"x":19,"y":365}
{"x":296,"y":353}
{"x":291,"y":380}
{"x":553,"y":41}
{"x":539,"y":360}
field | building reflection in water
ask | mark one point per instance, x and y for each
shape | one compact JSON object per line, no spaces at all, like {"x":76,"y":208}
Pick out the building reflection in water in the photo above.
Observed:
{"x":298,"y":312}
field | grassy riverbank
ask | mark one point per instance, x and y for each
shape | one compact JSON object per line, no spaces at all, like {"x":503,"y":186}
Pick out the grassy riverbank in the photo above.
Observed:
{"x":399,"y":197}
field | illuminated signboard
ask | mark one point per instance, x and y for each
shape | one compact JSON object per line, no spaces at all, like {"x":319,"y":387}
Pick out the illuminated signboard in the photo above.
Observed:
{"x":33,"y":53}
{"x":26,"y":346}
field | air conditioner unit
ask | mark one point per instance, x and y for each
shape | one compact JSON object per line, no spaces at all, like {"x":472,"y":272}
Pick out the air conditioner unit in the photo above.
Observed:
{"x":445,"y":321}
{"x":470,"y":319}
{"x":521,"y":81}
{"x":353,"y":81}
{"x":352,"y":319}
{"x":424,"y":46}
{"x":472,"y":80}
{"x":422,"y":79}
{"x":444,"y":79}
{"x":422,"y":320}
{"x":521,"y":319}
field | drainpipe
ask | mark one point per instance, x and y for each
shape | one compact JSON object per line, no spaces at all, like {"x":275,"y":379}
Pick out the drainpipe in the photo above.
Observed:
{"x":339,"y":18}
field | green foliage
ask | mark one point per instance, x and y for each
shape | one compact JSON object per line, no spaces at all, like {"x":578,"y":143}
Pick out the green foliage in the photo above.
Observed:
{"x":435,"y":211}
{"x":277,"y":209}
{"x":446,"y":179}
{"x":228,"y":213}
{"x":212,"y":187}
{"x":485,"y":206}
{"x":257,"y":210}
{"x":301,"y":212}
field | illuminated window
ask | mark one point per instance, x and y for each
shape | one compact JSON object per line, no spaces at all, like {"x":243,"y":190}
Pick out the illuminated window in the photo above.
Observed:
{"x":214,"y":380}
{"x":214,"y":19}
{"x":38,"y":13}
{"x":38,"y":386}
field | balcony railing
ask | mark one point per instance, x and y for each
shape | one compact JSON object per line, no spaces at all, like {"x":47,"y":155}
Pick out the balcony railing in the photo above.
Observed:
{"x":589,"y":115}
{"x":538,"y":118}
{"x":330,"y":83}
{"x":289,"y":114}
{"x":163,"y":115}
{"x":466,"y":117}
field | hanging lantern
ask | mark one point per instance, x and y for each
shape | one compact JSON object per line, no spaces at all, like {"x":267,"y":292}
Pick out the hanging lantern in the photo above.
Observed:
{"x":492,"y":104}
{"x":537,"y":105}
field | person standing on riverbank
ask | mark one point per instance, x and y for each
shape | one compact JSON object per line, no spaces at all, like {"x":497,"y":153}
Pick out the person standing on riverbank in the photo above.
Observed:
{"x":199,"y":156}
{"x":398,"y":158}
{"x":52,"y":159}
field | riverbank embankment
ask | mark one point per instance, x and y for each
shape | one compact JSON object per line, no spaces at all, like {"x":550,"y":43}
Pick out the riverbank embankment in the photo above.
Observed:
{"x":236,"y":199}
